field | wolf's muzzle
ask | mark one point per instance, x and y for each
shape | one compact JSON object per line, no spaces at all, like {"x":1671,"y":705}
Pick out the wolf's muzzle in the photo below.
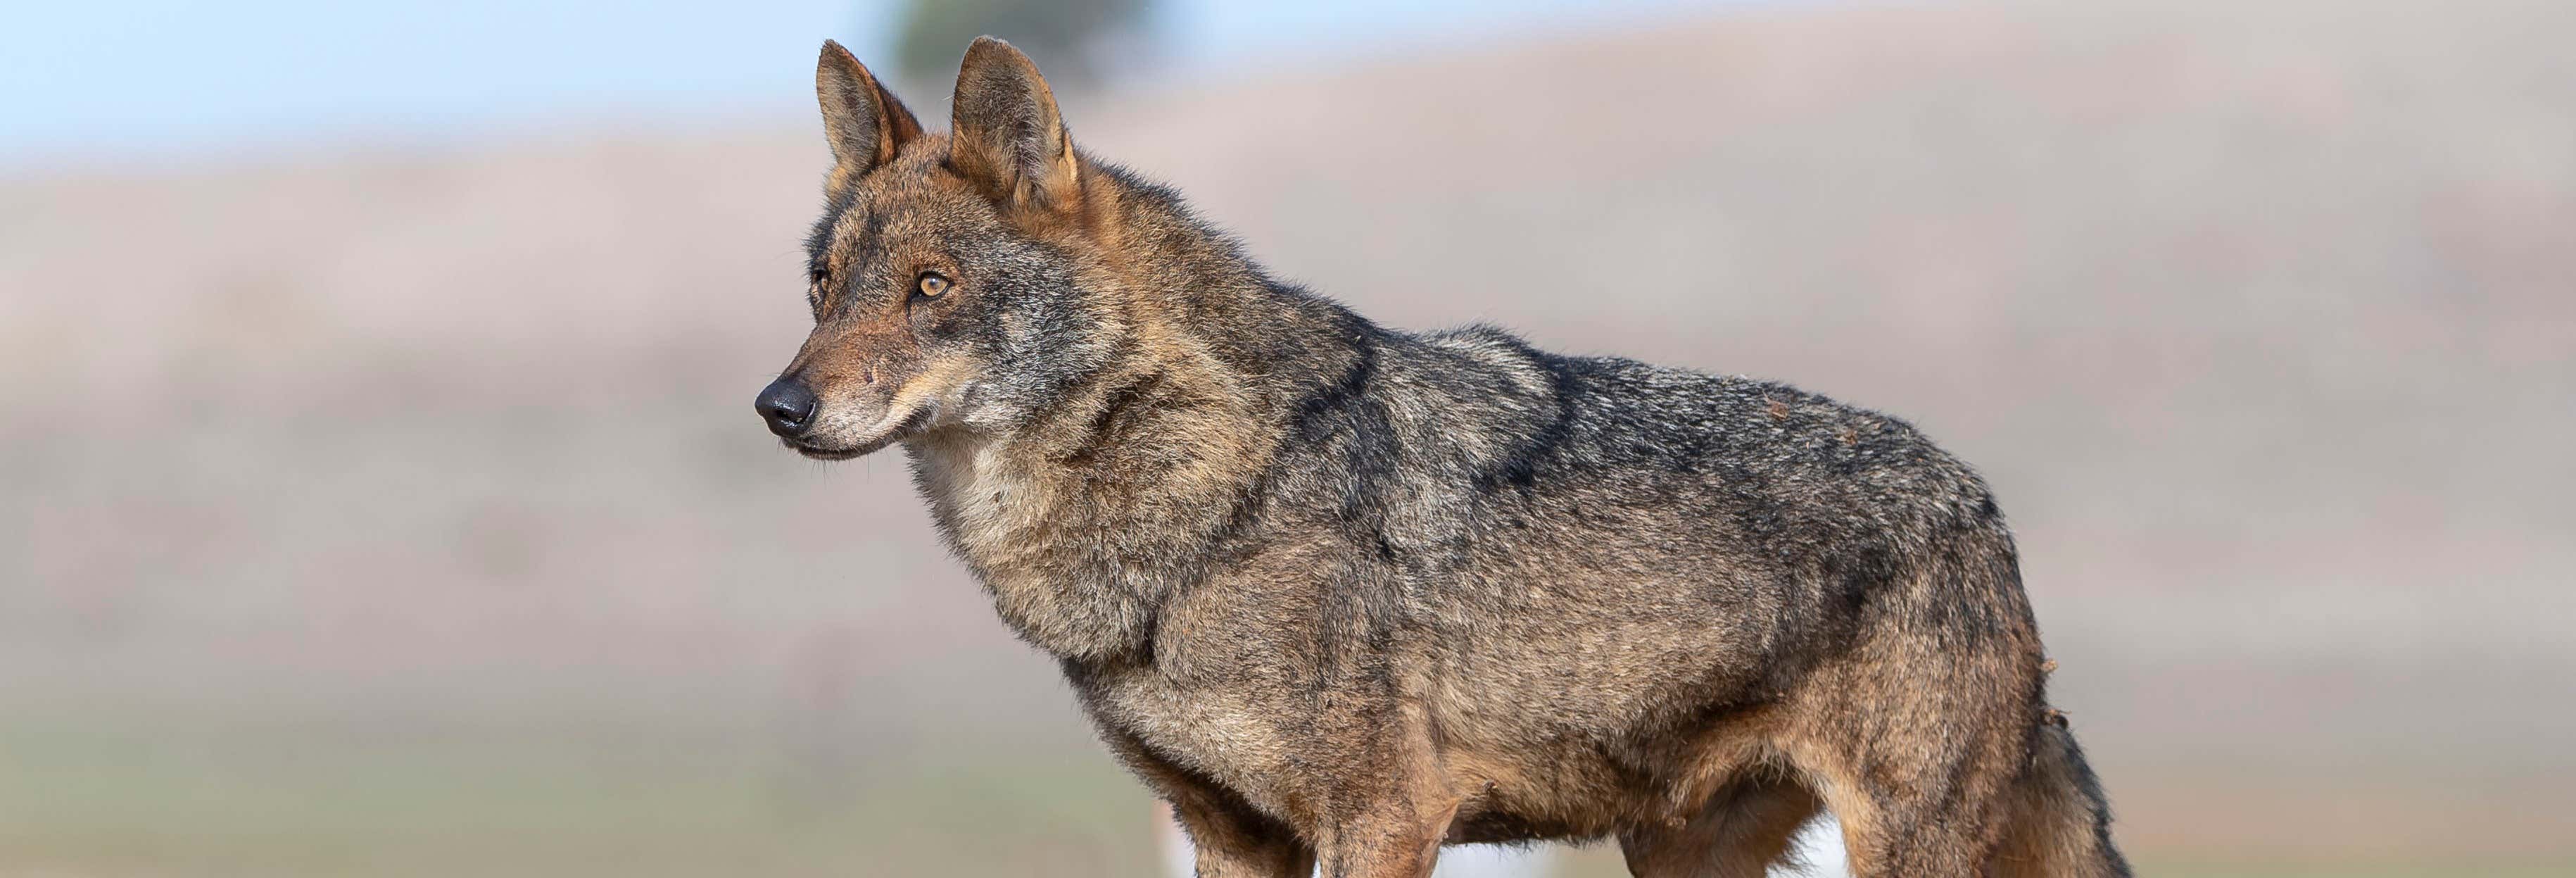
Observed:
{"x":787,"y":405}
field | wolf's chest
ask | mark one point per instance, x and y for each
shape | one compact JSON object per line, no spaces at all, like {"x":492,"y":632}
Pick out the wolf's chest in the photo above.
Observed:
{"x":1075,"y":562}
{"x":1238,"y":736}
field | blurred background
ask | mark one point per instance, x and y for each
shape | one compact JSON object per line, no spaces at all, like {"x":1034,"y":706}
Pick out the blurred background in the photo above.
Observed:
{"x":380,"y":493}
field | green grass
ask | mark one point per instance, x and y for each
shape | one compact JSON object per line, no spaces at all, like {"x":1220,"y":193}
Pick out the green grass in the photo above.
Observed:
{"x":271,"y":801}
{"x":183,"y":796}
{"x":2185,"y":867}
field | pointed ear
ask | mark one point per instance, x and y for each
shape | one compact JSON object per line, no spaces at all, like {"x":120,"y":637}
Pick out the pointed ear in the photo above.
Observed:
{"x":1008,"y":137}
{"x":863,"y":121}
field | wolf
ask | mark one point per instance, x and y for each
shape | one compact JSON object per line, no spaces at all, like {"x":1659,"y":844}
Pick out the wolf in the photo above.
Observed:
{"x":1343,"y":594}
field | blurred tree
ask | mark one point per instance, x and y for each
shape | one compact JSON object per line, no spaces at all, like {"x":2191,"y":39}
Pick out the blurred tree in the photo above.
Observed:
{"x":1068,"y":38}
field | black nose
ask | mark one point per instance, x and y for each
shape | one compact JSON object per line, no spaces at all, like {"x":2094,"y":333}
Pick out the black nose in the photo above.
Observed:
{"x":787,"y":406}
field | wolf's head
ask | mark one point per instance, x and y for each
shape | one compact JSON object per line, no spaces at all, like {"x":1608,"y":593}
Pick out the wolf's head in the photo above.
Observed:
{"x":957,"y":281}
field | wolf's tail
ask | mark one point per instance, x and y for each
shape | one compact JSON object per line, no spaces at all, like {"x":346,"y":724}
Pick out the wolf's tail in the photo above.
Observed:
{"x":2057,"y":822}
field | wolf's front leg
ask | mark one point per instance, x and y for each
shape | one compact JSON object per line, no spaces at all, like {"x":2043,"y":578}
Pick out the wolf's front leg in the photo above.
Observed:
{"x":1398,"y":837}
{"x":1228,"y":838}
{"x":1232,"y":844}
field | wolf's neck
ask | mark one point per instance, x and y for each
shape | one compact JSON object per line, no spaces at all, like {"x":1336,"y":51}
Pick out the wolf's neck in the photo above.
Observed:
{"x":1082,"y":524}
{"x":1080,"y":541}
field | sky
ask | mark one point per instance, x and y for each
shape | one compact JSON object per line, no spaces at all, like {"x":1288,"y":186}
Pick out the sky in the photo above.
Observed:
{"x":92,"y":82}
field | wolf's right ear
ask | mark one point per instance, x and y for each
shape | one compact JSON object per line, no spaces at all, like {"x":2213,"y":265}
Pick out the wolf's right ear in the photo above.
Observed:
{"x":864,"y":122}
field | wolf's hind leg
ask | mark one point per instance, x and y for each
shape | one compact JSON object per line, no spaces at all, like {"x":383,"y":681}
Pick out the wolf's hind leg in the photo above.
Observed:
{"x":2056,"y":822}
{"x":1742,"y":831}
{"x":1911,"y":830}
{"x":1916,"y":759}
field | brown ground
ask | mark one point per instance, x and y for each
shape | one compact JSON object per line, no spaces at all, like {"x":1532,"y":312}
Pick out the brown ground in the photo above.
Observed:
{"x":391,"y":514}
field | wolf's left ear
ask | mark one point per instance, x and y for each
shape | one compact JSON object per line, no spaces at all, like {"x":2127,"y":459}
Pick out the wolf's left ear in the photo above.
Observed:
{"x":864,"y":122}
{"x":1008,"y":137}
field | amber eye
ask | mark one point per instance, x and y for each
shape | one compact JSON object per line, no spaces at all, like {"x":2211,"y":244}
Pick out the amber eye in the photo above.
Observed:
{"x":930,"y":285}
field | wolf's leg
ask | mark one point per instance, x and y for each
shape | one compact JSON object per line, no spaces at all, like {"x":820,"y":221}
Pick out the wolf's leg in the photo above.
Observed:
{"x":2057,"y":824}
{"x":1229,"y":838}
{"x":1947,"y":828}
{"x":1229,"y":845}
{"x":1915,"y":747}
{"x":1744,"y":829}
{"x":1396,"y":837}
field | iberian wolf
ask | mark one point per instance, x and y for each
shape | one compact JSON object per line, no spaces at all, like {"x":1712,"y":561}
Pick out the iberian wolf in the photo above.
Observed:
{"x":1343,"y":594}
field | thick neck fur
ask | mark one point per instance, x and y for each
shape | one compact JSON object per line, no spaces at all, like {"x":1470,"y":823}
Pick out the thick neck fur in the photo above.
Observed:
{"x":1081,"y":522}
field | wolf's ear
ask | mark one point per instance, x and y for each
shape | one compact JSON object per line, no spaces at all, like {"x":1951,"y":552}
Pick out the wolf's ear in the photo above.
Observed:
{"x":864,"y":122}
{"x":1008,"y":137}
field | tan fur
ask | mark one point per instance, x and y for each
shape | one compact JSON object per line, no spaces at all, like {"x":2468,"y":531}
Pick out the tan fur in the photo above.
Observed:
{"x":1342,"y":595}
{"x":1739,"y":832}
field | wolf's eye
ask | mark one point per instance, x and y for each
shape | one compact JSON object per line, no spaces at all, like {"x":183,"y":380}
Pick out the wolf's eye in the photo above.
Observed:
{"x":930,"y":284}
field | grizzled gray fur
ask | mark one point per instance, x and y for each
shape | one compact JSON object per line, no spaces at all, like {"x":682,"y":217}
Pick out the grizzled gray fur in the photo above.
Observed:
{"x":1343,"y":594}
